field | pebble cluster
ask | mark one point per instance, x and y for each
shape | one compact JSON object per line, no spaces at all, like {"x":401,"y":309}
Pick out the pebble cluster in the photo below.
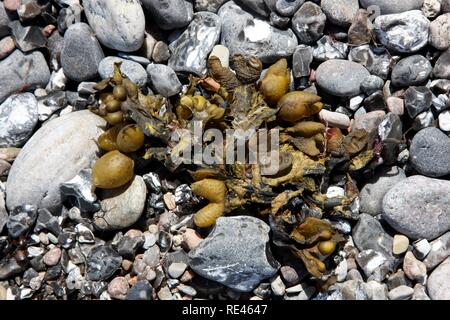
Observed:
{"x":376,"y":71}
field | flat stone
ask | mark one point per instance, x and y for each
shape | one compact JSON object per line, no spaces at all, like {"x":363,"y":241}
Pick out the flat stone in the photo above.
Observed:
{"x":18,"y":118}
{"x":418,"y":207}
{"x":242,"y":33}
{"x":81,"y":53}
{"x":401,"y":293}
{"x":373,"y":192}
{"x":341,"y":78}
{"x":118,"y":24}
{"x":121,"y":207}
{"x":438,"y":285}
{"x":133,"y":70}
{"x":191,"y":49}
{"x":405,"y":32}
{"x":235,"y":253}
{"x":55,"y":154}
{"x":430,"y":152}
{"x":22,"y":72}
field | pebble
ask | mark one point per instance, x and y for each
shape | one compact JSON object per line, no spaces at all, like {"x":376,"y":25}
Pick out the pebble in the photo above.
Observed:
{"x":431,"y":8}
{"x":209,"y":5}
{"x":222,"y":53}
{"x":163,"y":80}
{"x":393,"y":6}
{"x":438,"y":286}
{"x":401,"y":293}
{"x":257,"y":7}
{"x":118,"y":288}
{"x":142,"y":290}
{"x":117,"y":24}
{"x":239,"y":258}
{"x":81,"y":53}
{"x":423,"y":120}
{"x":53,"y":155}
{"x":361,"y":30}
{"x":417,"y":100}
{"x":191,"y":238}
{"x":161,"y":52}
{"x":400,"y":244}
{"x":414,"y":269}
{"x":79,"y":189}
{"x":421,"y":248}
{"x":430,"y":152}
{"x":440,"y":250}
{"x":334,"y":119}
{"x":12,"y":5}
{"x":301,"y":61}
{"x":439,"y":38}
{"x":51,"y":258}
{"x":308,"y":23}
{"x":378,"y":63}
{"x":370,"y":122}
{"x":18,"y":118}
{"x":368,"y":234}
{"x":277,"y":286}
{"x":289,"y":275}
{"x":427,"y":216}
{"x":22,"y":71}
{"x":372,"y":194}
{"x":121,"y":207}
{"x":340,"y":13}
{"x":341,"y":78}
{"x":242,"y":33}
{"x":372,"y":84}
{"x":191,"y":49}
{"x":27,"y":38}
{"x":444,"y":121}
{"x":133,"y":70}
{"x":395,"y":105}
{"x":102,"y":263}
{"x":151,"y":256}
{"x":420,"y":293}
{"x":177,"y":269}
{"x":170,"y":14}
{"x":405,"y":32}
{"x":327,"y":48}
{"x":9,"y":268}
{"x":7,"y":45}
{"x":441,"y":68}
{"x":411,"y":71}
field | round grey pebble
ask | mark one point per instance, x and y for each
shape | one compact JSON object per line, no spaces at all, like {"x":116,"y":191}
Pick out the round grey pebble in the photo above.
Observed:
{"x":411,"y":71}
{"x":133,"y":70}
{"x":163,"y":80}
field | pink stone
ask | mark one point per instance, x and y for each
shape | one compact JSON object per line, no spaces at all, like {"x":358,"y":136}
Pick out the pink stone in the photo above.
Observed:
{"x":191,"y":238}
{"x":396,"y":105}
{"x":12,"y":5}
{"x":51,"y":258}
{"x":118,"y":288}
{"x":7,"y":45}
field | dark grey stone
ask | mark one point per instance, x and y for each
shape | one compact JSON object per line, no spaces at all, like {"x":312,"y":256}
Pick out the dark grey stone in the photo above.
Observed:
{"x":163,"y":80}
{"x":102,"y":263}
{"x":235,"y":253}
{"x":411,"y":71}
{"x":308,"y":23}
{"x":418,"y":100}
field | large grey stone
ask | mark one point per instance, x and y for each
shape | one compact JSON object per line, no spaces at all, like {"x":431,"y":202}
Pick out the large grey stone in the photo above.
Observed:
{"x":54,"y":154}
{"x":18,"y":117}
{"x":236,"y":253}
{"x":341,"y":78}
{"x":191,"y":49}
{"x":22,"y":72}
{"x":121,"y":207}
{"x":438,"y":285}
{"x":419,"y":207}
{"x":133,"y":70}
{"x":372,"y":194}
{"x":81,"y":53}
{"x":242,"y":33}
{"x":430,"y":152}
{"x":170,"y":14}
{"x":439,"y":35}
{"x":405,"y":32}
{"x":118,"y":24}
{"x":392,"y":6}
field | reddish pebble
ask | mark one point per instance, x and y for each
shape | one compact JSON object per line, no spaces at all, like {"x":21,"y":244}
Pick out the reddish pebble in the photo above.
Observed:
{"x":48,"y":30}
{"x":191,"y":238}
{"x":7,"y":45}
{"x":118,"y":288}
{"x":51,"y":258}
{"x":12,"y":5}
